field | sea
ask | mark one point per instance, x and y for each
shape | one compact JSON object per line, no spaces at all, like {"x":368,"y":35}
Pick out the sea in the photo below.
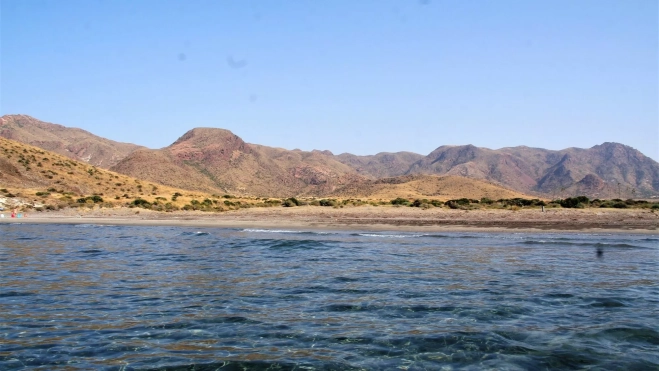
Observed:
{"x":92,"y":297}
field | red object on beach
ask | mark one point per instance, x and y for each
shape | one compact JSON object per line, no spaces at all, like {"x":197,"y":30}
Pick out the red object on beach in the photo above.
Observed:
{"x":13,"y":215}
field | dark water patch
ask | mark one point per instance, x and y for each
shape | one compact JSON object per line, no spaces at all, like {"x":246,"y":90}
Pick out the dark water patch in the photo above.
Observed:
{"x":347,"y":279}
{"x":459,"y":346}
{"x":9,"y":294}
{"x":638,"y":335}
{"x":296,"y":244}
{"x":228,"y":319}
{"x":411,"y":295}
{"x":91,"y":251}
{"x":559,"y":295}
{"x":568,"y":358}
{"x":351,"y":308}
{"x":28,"y":238}
{"x":352,"y":291}
{"x":170,"y":256}
{"x":605,"y":303}
{"x":318,"y":233}
{"x":456,"y":236}
{"x":289,"y":232}
{"x":427,"y":308}
{"x":530,"y":273}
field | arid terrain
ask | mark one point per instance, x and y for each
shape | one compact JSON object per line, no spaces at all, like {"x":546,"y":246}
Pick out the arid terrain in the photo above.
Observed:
{"x":75,"y":143}
{"x":211,"y":177}
{"x":214,"y":160}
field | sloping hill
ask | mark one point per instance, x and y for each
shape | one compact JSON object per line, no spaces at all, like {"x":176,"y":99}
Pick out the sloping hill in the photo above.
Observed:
{"x":381,"y":165}
{"x":28,"y":169}
{"x":518,"y":172}
{"x":606,"y":170}
{"x":427,"y":186}
{"x":216,"y":160}
{"x":562,"y":173}
{"x":74,"y":143}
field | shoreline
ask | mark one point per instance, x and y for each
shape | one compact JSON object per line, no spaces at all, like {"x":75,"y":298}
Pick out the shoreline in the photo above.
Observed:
{"x":368,"y":218}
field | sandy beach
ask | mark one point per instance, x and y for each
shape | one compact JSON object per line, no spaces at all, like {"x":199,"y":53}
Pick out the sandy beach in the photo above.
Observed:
{"x":368,"y":218}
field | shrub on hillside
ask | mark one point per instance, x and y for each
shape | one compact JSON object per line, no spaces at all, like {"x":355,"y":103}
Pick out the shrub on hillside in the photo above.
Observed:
{"x":487,"y":201}
{"x":424,"y":203}
{"x":400,"y":201}
{"x":458,"y":202}
{"x":272,"y":202}
{"x":139,"y":202}
{"x":327,"y":202}
{"x":94,"y":199}
{"x":290,"y":202}
{"x":575,"y":202}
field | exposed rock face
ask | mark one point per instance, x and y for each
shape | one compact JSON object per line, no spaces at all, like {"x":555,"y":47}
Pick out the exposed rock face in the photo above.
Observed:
{"x":383,"y":164}
{"x":75,"y":143}
{"x":550,"y":173}
{"x":216,"y":160}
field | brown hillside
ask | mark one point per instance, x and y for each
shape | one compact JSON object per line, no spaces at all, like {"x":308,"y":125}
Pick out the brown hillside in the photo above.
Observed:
{"x":550,"y":173}
{"x":427,"y":186}
{"x":504,"y":168}
{"x":75,"y":143}
{"x":161,"y":167}
{"x":26,"y":169}
{"x":216,"y":160}
{"x":381,"y":165}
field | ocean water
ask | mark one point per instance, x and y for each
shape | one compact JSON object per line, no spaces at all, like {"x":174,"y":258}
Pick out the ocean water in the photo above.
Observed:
{"x":163,"y":298}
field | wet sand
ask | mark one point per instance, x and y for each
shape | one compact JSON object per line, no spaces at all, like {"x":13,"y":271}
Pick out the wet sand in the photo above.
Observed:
{"x":368,"y":218}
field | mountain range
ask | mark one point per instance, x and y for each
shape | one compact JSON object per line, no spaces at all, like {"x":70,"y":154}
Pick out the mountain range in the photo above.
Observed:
{"x":216,"y":160}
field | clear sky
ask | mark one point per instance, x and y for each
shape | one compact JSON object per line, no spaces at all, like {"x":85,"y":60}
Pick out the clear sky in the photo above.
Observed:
{"x":359,"y":76}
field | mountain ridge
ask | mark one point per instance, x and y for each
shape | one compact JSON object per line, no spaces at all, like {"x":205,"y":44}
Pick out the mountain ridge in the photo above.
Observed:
{"x":213,"y":159}
{"x":75,"y":143}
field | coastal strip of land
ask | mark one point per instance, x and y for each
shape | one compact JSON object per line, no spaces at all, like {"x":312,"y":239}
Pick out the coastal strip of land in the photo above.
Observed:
{"x":367,"y":218}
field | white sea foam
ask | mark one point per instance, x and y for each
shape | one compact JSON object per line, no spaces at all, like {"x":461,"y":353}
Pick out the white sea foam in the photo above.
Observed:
{"x":269,"y":231}
{"x":390,"y":235}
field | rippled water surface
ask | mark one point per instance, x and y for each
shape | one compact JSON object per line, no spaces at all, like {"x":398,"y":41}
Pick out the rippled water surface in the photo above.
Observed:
{"x":106,"y":297}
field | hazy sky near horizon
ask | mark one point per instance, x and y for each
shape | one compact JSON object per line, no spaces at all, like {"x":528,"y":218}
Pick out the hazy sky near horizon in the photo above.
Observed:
{"x":349,"y":76}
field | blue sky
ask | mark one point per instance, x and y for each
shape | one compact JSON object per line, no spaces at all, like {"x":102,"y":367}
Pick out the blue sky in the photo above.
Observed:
{"x":349,"y":76}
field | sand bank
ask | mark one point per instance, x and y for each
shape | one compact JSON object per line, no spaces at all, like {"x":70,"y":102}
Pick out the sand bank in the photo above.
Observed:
{"x":369,"y":218}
